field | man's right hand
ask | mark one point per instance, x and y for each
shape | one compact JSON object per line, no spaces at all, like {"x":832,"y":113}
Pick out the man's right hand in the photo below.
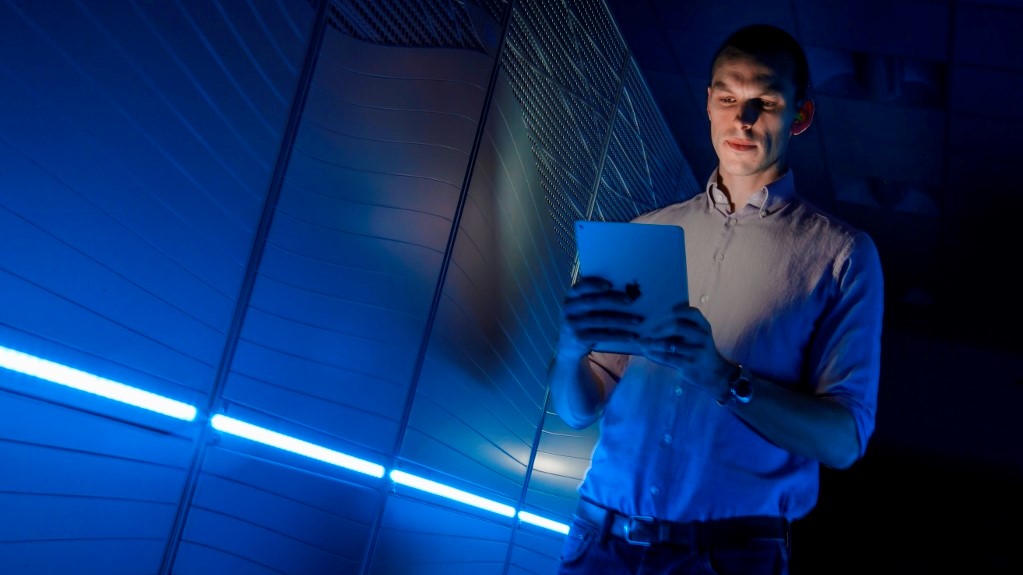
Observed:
{"x":594,"y":313}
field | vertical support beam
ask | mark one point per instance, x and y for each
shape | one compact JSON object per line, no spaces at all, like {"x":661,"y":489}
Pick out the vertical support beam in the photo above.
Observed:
{"x":248,"y":282}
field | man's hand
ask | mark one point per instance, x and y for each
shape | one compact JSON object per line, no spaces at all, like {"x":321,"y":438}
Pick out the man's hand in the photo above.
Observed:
{"x":594,"y":313}
{"x":684,"y":340}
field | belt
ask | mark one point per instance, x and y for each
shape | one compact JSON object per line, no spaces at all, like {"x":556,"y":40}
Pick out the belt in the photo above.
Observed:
{"x":646,"y":531}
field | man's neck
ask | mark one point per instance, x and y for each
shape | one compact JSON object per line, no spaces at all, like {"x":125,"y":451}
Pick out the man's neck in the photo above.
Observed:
{"x":740,"y":189}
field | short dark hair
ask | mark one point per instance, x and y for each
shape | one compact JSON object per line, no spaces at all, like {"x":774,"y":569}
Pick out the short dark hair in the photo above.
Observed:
{"x":764,"y":40}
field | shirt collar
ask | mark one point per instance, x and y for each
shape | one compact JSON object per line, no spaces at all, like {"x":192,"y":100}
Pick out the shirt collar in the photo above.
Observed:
{"x":767,"y":201}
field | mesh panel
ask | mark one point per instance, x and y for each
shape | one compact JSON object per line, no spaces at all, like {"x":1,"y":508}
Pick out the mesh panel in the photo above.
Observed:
{"x":432,"y":23}
{"x":566,"y":81}
{"x":495,"y":8}
{"x":565,"y":60}
{"x":644,"y":168}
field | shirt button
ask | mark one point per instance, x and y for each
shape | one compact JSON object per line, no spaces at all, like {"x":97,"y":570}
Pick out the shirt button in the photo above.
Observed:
{"x":719,"y":257}
{"x":678,"y":390}
{"x":667,"y":439}
{"x":654,"y":490}
{"x":732,"y":221}
{"x":704,"y":298}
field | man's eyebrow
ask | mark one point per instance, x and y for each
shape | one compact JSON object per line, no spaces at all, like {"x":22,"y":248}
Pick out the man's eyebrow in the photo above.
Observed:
{"x":775,"y":87}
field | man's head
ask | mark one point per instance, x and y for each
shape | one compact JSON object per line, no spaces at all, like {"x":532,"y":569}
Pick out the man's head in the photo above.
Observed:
{"x":770,"y":44}
{"x":756,"y":100}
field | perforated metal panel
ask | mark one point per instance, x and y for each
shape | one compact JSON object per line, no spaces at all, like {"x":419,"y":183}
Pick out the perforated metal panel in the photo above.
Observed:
{"x":643,"y":169}
{"x":436,"y":23}
{"x":590,"y":116}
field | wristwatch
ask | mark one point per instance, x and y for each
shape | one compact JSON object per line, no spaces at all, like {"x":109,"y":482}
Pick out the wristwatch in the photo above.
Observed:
{"x":740,"y":389}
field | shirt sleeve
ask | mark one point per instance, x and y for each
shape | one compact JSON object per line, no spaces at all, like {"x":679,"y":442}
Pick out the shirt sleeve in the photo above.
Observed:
{"x":847,"y":348}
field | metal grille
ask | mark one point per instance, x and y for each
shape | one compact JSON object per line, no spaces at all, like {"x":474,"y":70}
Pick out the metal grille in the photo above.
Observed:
{"x":567,"y":82}
{"x":495,"y":8}
{"x":432,"y":23}
{"x":644,"y":168}
{"x":567,"y":65}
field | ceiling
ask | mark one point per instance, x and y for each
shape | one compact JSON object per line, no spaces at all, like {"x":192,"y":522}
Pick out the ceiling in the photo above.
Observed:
{"x":907,"y":140}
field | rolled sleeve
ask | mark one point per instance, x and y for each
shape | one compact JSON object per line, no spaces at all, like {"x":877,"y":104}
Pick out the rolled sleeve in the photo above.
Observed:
{"x":848,"y":345}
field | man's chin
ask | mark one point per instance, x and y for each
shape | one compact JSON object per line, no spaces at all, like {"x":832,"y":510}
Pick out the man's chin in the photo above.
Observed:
{"x":739,"y":169}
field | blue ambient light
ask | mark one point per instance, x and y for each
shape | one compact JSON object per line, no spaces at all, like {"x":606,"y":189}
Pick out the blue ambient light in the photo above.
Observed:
{"x":70,"y":377}
{"x":287,"y":443}
{"x":64,"y":375}
{"x":527,"y":517}
{"x":451,"y":493}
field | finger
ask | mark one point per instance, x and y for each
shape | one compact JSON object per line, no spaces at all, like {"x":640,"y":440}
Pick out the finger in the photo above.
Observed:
{"x":685,"y":325}
{"x":604,"y":319}
{"x":608,"y":334}
{"x":597,"y":303}
{"x":604,"y":335}
{"x":667,"y":347}
{"x":591,"y":283}
{"x":681,"y":307}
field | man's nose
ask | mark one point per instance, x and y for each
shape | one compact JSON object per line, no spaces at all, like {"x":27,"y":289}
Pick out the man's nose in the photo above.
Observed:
{"x":748,"y":113}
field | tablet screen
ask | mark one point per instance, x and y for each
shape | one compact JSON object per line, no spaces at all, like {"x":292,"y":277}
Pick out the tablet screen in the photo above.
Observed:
{"x":646,"y":259}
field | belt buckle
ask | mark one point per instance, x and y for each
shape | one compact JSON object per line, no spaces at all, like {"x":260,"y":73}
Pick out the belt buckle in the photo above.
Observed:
{"x":630,"y":526}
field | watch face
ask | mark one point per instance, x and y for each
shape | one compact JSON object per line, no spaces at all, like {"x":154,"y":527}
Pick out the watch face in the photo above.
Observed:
{"x":742,"y":391}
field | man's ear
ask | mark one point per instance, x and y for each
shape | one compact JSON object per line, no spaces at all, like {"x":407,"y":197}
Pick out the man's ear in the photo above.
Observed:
{"x":804,"y":116}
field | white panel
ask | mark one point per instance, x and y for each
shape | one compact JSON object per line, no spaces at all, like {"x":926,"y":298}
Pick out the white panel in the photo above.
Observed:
{"x":416,"y":537}
{"x":137,"y":156}
{"x":481,"y":392}
{"x":359,"y":236}
{"x":136,"y":142}
{"x":77,"y":489}
{"x":280,"y":518}
{"x":535,"y":551}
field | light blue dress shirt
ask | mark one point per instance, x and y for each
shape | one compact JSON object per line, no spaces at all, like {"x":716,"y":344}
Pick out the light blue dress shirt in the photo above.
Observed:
{"x":793,"y":294}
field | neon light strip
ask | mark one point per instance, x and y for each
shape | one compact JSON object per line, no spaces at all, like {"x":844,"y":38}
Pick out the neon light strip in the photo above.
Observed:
{"x":451,"y":493}
{"x":527,"y":517}
{"x":281,"y":441}
{"x":64,"y":375}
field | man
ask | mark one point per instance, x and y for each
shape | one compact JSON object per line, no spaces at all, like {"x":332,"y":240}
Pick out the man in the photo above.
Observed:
{"x":711,"y":440}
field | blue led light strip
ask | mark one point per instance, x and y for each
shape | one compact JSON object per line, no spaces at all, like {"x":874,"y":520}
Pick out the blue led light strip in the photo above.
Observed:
{"x":527,"y":517}
{"x":287,"y":443}
{"x":421,"y":484}
{"x":64,"y":375}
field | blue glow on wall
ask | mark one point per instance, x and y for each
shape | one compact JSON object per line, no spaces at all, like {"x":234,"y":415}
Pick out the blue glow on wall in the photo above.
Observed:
{"x":272,"y":438}
{"x":415,"y":482}
{"x":63,"y":375}
{"x":89,"y":383}
{"x":533,"y":519}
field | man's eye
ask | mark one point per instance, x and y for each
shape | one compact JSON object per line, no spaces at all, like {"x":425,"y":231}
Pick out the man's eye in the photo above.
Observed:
{"x":767,"y":104}
{"x":726,"y":100}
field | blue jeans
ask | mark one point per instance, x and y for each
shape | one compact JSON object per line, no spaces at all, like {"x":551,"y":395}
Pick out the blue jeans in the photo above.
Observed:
{"x":586,"y":552}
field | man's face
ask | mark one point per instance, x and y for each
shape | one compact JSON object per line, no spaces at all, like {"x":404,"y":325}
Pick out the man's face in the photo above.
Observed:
{"x":751,"y":109}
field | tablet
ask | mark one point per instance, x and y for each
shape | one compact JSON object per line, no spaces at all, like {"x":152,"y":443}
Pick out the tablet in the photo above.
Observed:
{"x":649,"y":259}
